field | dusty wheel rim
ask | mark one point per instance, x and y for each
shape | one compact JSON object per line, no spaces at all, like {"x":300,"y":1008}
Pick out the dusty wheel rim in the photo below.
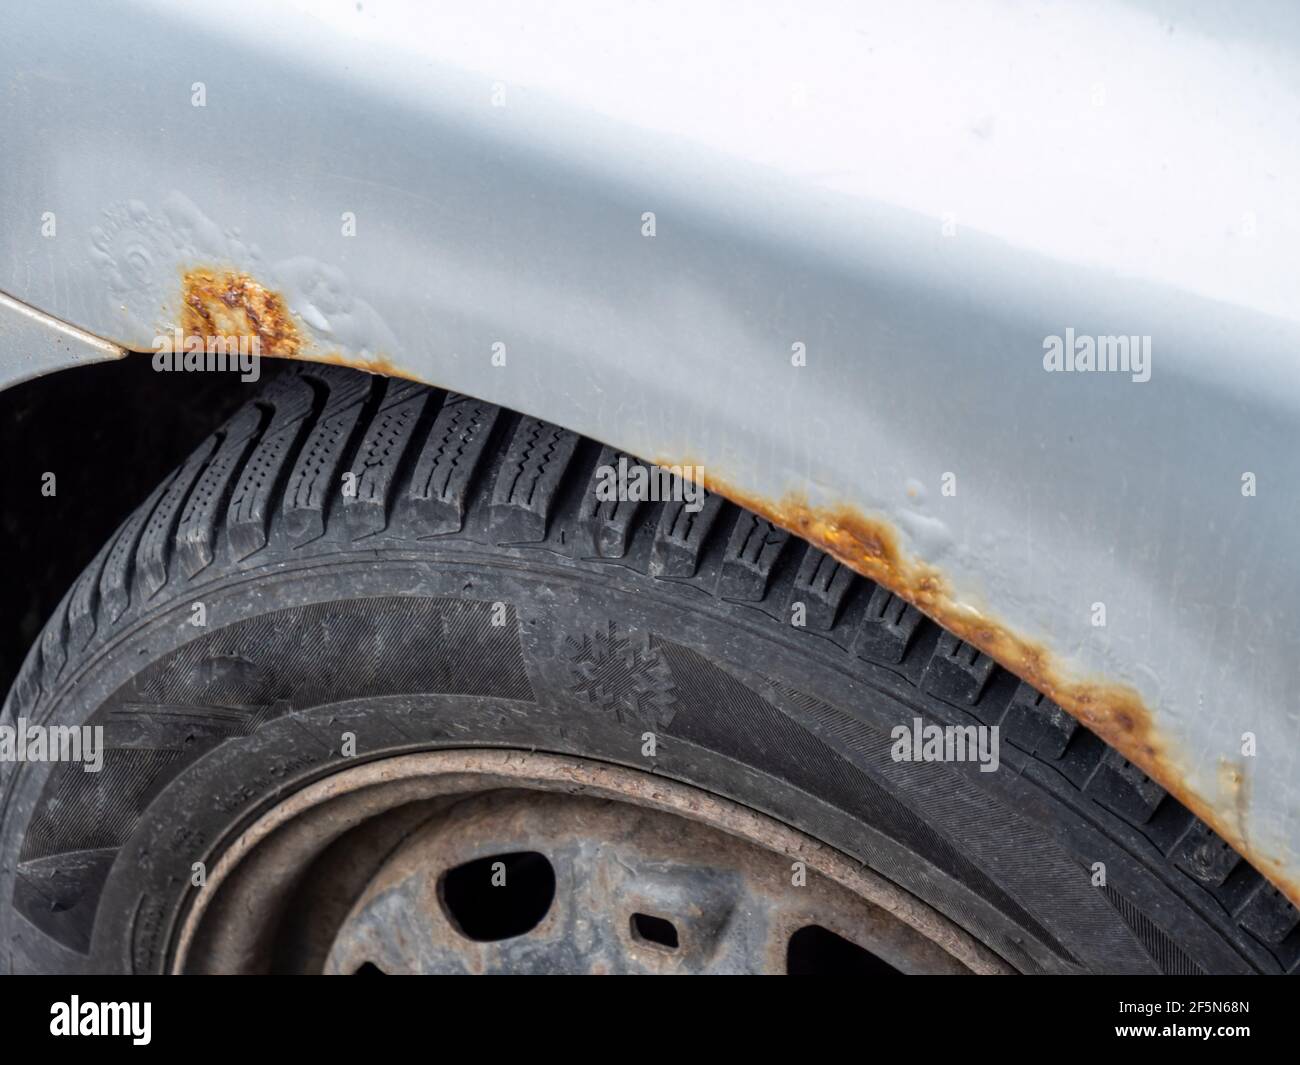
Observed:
{"x":503,"y":861}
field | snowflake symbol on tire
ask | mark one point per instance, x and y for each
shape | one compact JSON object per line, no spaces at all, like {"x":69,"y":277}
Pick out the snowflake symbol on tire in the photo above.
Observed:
{"x":623,"y":673}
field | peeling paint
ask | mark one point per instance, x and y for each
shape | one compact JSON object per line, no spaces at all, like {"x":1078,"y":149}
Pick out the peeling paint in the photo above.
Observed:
{"x":228,"y":287}
{"x":230,"y":304}
{"x":1115,"y":712}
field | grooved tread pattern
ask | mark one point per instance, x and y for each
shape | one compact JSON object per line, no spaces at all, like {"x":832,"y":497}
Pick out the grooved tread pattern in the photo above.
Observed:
{"x":535,"y":461}
{"x":440,"y":486}
{"x":378,"y":461}
{"x":315,"y":475}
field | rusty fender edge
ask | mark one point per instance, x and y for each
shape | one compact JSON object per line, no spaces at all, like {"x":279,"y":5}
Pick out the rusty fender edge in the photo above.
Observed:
{"x":1115,"y":712}
{"x":228,"y":303}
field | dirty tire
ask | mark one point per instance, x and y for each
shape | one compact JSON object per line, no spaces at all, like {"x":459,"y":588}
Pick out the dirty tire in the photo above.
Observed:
{"x":468,"y":589}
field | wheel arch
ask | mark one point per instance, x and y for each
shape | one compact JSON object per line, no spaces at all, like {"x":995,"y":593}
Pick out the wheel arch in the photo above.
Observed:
{"x":490,"y":236}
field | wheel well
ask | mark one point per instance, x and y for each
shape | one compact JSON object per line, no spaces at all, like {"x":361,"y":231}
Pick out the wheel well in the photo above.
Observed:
{"x":109,"y":432}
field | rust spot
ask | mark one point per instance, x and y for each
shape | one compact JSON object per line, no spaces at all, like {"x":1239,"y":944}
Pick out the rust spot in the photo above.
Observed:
{"x":1115,"y":712}
{"x":231,"y":305}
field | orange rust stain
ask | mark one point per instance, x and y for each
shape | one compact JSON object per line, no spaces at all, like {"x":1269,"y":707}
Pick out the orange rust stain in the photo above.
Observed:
{"x":232,"y":305}
{"x":1234,"y":788}
{"x":229,"y":304}
{"x":380,"y":364}
{"x":1115,"y":712}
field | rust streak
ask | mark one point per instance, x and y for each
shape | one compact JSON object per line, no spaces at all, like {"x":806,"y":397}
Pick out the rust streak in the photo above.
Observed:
{"x":1115,"y":712}
{"x":380,"y":364}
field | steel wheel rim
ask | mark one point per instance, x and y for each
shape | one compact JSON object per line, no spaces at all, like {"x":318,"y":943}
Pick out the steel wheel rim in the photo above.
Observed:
{"x":315,"y":879}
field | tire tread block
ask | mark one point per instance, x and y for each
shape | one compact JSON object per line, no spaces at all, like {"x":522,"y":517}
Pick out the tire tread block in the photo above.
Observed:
{"x":449,"y":461}
{"x":528,"y":480}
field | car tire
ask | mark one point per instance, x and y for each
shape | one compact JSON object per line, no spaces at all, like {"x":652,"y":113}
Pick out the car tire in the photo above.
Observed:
{"x":351,"y":555}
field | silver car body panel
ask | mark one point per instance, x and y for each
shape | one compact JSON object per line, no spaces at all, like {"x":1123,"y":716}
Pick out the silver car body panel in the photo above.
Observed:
{"x":32,"y":343}
{"x":819,"y":249}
